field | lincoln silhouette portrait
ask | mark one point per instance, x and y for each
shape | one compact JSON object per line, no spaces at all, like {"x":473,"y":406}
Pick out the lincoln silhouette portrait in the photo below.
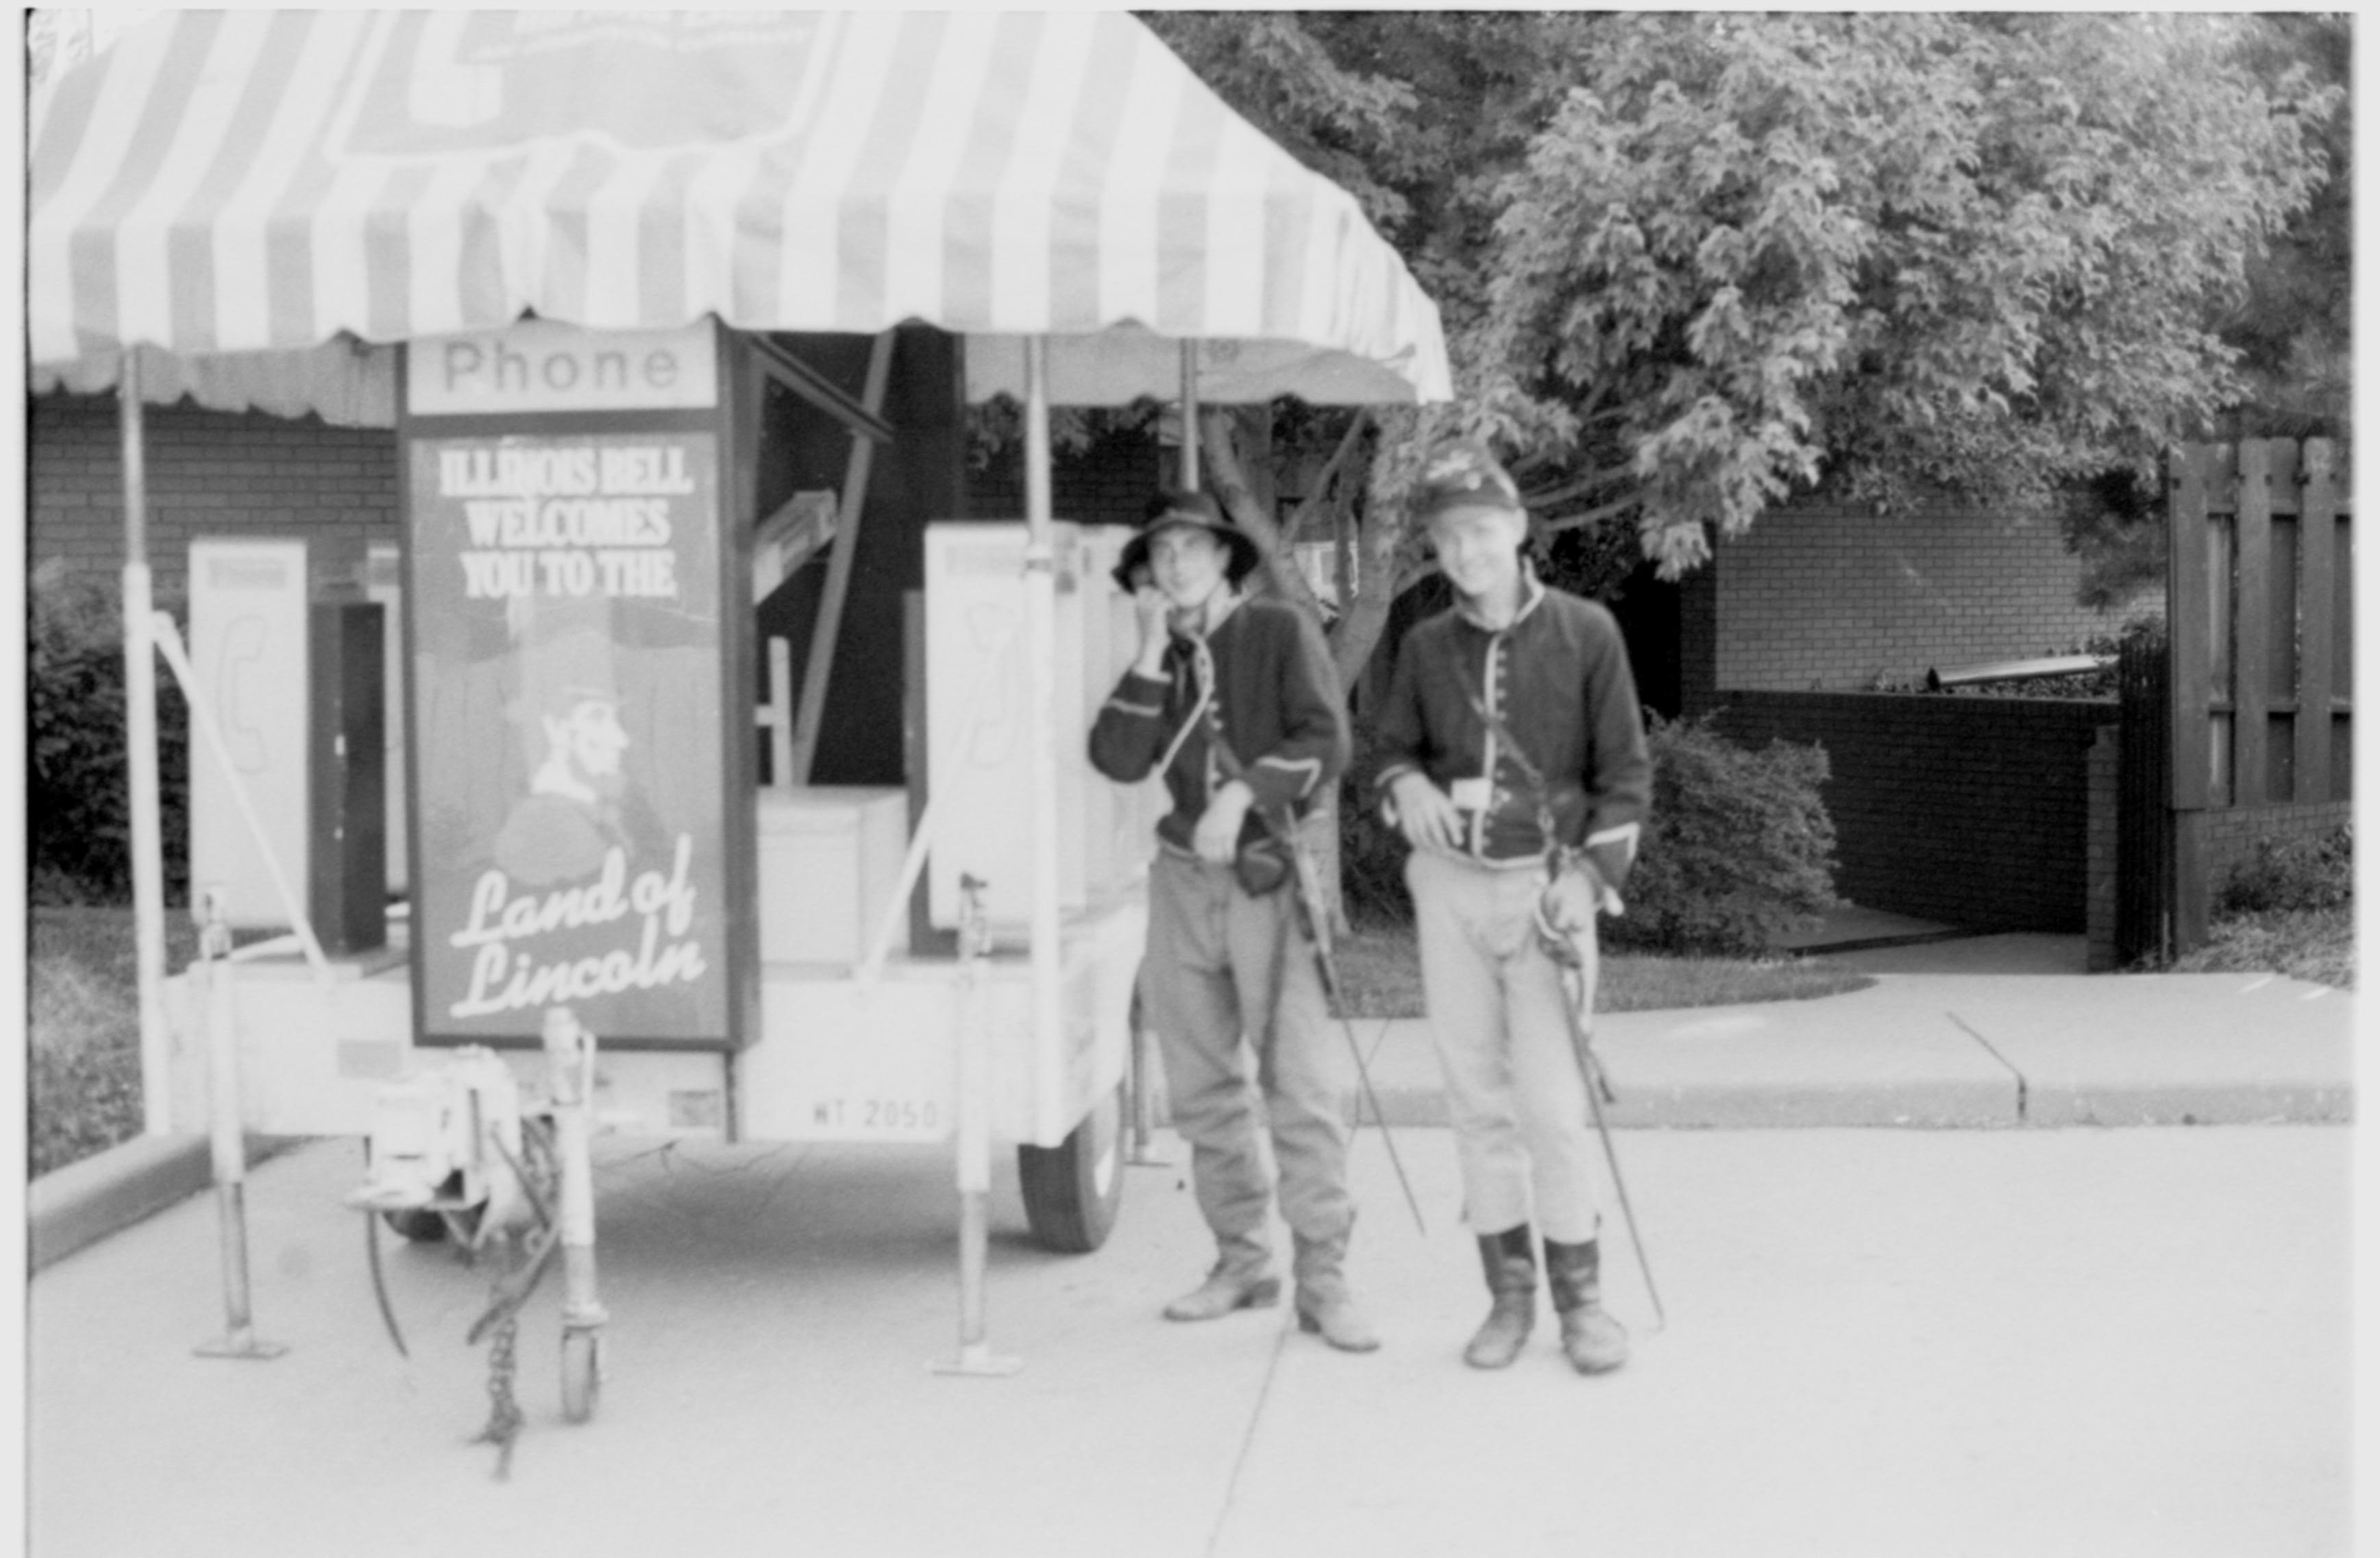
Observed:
{"x":580,"y":805}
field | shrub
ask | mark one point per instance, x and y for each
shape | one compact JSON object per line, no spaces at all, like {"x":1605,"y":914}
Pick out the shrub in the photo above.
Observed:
{"x":77,"y":805}
{"x":1739,"y":850}
{"x":2289,"y":876}
{"x":1371,"y":854}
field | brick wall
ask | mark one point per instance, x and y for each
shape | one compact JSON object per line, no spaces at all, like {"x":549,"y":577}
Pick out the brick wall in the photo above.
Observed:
{"x":1837,"y":598}
{"x":1973,"y":811}
{"x":209,"y":473}
{"x":212,"y":472}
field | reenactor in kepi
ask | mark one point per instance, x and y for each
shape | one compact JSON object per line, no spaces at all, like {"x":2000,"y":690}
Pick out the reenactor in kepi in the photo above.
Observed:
{"x":1234,"y":699}
{"x":1514,"y":762}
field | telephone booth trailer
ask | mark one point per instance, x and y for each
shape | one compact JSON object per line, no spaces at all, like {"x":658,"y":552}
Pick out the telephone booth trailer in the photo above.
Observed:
{"x":569,"y":258}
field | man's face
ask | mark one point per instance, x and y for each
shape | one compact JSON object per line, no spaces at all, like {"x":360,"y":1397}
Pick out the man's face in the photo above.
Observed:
{"x":1187,"y":561}
{"x":1479,"y":548}
{"x":590,"y":734}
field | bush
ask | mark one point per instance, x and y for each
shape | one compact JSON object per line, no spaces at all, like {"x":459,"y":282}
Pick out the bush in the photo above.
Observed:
{"x":2292,"y":875}
{"x":1739,"y":850}
{"x":77,"y":805}
{"x":1371,"y":854}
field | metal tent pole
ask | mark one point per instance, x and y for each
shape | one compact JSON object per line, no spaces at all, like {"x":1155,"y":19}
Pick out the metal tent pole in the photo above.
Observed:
{"x":975,"y":1355}
{"x":1041,"y":700}
{"x":141,"y":740}
{"x":1190,"y":416}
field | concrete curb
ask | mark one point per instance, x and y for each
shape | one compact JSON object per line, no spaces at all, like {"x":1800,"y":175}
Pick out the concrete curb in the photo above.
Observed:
{"x":1950,"y":1052}
{"x":69,"y":1209}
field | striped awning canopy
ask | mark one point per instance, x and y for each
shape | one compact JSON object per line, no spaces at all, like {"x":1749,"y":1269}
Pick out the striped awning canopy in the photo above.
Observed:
{"x":311,"y":184}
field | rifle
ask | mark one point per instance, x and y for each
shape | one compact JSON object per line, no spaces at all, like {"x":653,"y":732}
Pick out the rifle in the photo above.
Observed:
{"x":1315,"y":921}
{"x":1314,"y":918}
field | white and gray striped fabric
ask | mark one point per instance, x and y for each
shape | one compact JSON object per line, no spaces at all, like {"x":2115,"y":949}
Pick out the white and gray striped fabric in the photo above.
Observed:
{"x":284,"y":181}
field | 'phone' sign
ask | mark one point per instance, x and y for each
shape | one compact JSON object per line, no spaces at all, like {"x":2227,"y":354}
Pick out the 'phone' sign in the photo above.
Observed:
{"x":542,"y":366}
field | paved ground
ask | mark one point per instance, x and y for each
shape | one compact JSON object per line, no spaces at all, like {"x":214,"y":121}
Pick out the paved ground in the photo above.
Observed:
{"x":2041,"y":1336}
{"x":2024,"y":1342}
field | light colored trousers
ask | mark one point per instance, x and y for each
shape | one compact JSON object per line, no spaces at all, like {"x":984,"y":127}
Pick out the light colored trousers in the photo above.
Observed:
{"x":1514,"y":1092}
{"x":1204,"y":987}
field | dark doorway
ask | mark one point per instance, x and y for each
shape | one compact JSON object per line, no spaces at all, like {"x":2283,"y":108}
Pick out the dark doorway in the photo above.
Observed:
{"x":1649,"y":623}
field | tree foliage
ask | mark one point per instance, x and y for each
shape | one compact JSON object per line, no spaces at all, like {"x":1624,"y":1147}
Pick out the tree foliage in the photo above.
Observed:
{"x":1754,"y":254}
{"x":2294,"y":326}
{"x":1691,"y":263}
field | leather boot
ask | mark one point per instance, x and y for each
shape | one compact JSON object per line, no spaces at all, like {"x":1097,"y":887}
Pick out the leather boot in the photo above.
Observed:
{"x":1239,"y":1281}
{"x":1510,"y":1261}
{"x":1324,"y":1306}
{"x":1594,"y":1343}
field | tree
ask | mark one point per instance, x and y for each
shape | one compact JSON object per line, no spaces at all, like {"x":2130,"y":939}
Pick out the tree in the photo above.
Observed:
{"x":1691,"y":263}
{"x":2294,"y":326}
{"x":1755,"y":254}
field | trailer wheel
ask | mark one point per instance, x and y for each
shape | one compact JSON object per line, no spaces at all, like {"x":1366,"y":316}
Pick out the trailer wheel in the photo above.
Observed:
{"x":582,"y":1374}
{"x":1071,"y":1190}
{"x":419,"y":1223}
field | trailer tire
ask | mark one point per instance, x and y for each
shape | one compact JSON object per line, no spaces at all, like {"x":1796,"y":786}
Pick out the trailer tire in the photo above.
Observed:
{"x":1072,"y":1190}
{"x":419,"y":1223}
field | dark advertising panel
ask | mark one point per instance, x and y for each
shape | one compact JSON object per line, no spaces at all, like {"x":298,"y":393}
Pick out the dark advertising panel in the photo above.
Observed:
{"x":569,"y":745}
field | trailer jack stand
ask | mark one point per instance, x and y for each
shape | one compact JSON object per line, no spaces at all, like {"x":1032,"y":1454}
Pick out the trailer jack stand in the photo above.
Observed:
{"x":212,"y":976}
{"x":973,"y":1148}
{"x":570,"y":1052}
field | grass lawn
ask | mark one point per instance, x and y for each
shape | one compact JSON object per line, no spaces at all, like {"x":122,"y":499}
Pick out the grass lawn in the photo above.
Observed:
{"x":83,"y":1062}
{"x":2317,"y":945}
{"x":1381,"y":973}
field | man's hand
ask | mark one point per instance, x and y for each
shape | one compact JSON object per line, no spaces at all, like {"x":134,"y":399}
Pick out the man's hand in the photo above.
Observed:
{"x":1149,"y":608}
{"x":1426,"y":814}
{"x":1218,"y":836}
{"x":1572,"y":899}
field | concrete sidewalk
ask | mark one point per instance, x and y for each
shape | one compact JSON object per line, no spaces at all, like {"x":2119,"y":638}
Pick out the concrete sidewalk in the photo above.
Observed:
{"x":1956,"y":1049}
{"x":2004,"y":1340}
{"x":2124,"y":1344}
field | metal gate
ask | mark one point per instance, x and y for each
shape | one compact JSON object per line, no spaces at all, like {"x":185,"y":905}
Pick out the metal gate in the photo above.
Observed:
{"x":2144,"y":824}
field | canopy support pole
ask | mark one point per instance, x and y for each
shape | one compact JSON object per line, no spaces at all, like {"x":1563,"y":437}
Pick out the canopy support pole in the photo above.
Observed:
{"x":141,"y":745}
{"x":810,"y":713}
{"x":1190,"y":416}
{"x":1041,"y":696}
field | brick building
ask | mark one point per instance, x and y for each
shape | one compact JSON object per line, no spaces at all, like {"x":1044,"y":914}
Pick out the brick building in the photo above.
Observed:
{"x":1790,"y":632}
{"x":1834,"y":597}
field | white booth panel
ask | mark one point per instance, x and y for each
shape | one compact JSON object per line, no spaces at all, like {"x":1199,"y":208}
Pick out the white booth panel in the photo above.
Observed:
{"x":249,"y":648}
{"x":977,"y":768}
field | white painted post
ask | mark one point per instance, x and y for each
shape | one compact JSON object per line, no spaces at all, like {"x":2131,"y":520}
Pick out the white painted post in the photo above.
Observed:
{"x":141,"y":741}
{"x":1041,"y":697}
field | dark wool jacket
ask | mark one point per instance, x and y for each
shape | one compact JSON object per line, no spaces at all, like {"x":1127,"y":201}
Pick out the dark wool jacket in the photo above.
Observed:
{"x":1276,"y":700}
{"x":1558,"y":677}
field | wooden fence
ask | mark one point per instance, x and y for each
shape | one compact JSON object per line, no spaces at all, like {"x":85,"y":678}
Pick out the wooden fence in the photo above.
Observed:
{"x":2260,"y":616}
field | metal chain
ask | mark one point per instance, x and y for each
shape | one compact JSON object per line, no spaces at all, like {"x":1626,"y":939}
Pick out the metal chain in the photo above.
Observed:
{"x":504,"y":1412}
{"x":511,"y":1290}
